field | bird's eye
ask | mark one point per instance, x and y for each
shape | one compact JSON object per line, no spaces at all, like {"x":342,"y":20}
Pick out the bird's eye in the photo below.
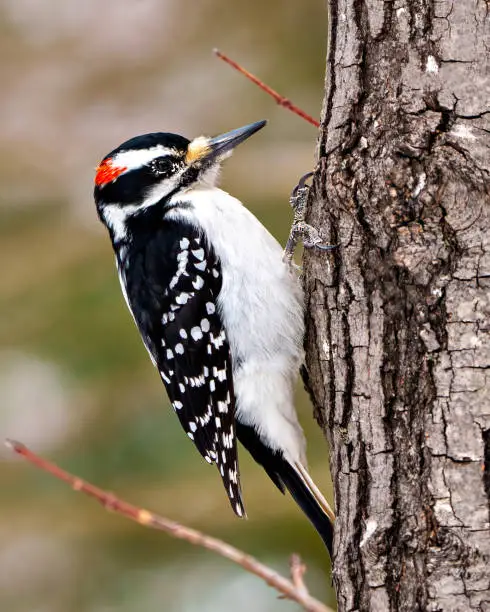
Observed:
{"x":163,"y":166}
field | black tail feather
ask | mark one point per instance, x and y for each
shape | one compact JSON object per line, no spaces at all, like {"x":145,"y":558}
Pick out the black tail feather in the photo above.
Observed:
{"x":307,"y":502}
{"x":286,"y":476}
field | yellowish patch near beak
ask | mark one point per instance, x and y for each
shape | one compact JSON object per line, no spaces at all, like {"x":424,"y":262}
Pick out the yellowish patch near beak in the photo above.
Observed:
{"x":197,"y":149}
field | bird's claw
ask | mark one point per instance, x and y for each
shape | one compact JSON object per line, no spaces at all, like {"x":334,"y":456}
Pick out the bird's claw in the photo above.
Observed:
{"x":311,"y":237}
{"x":300,"y":191}
{"x":300,"y":230}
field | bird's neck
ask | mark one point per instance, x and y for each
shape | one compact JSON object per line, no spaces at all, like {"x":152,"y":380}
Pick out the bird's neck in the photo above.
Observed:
{"x":126,"y":222}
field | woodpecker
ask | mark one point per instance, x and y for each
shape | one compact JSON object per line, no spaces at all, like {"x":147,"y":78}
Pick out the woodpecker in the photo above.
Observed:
{"x":219,"y":311}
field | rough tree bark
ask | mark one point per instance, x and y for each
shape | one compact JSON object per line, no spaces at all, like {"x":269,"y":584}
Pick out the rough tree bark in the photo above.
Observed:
{"x":398,"y":336}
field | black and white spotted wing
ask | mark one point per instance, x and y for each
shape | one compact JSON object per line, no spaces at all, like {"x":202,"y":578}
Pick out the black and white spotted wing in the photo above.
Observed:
{"x":172,"y":282}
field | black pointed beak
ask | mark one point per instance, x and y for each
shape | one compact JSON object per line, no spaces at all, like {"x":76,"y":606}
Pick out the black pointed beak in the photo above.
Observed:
{"x":224,"y":143}
{"x":207,"y":150}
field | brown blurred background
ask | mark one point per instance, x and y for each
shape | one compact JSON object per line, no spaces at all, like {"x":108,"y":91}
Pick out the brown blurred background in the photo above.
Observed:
{"x":76,"y":384}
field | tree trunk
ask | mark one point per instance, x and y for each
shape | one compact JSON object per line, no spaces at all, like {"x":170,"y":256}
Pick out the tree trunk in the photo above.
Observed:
{"x":398,"y":336}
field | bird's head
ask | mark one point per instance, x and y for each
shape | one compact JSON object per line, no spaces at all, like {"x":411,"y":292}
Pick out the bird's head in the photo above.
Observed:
{"x":148,"y":169}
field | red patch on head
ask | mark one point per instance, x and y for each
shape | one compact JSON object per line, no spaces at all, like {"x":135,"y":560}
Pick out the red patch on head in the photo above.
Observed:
{"x":107,"y":172}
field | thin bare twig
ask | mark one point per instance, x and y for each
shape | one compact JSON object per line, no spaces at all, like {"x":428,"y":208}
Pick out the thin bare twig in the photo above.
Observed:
{"x":148,"y":519}
{"x":298,"y":570}
{"x":281,"y":100}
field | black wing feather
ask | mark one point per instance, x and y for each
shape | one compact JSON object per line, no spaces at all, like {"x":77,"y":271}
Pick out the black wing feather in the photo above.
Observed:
{"x":172,"y":282}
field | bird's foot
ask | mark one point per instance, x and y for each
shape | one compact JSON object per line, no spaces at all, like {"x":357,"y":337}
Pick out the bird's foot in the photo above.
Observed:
{"x":300,"y":230}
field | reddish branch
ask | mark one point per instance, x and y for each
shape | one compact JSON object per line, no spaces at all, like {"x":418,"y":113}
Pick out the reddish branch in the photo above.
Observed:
{"x":298,"y":570}
{"x":294,"y":590}
{"x":281,"y":100}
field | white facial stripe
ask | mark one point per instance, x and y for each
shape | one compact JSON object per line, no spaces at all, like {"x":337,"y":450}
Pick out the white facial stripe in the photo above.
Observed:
{"x":161,"y":189}
{"x":115,"y":217}
{"x":140,"y":157}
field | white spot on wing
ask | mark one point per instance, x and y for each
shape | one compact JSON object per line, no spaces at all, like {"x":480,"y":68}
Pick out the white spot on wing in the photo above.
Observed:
{"x":196,"y":333}
{"x":198,"y":254}
{"x":196,"y":381}
{"x":222,"y":407}
{"x":182,"y":298}
{"x":227,"y":440}
{"x":219,"y":374}
{"x":198,"y":282}
{"x":219,"y":340}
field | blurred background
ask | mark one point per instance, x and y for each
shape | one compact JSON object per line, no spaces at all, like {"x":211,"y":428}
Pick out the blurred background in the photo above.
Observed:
{"x":76,"y":384}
